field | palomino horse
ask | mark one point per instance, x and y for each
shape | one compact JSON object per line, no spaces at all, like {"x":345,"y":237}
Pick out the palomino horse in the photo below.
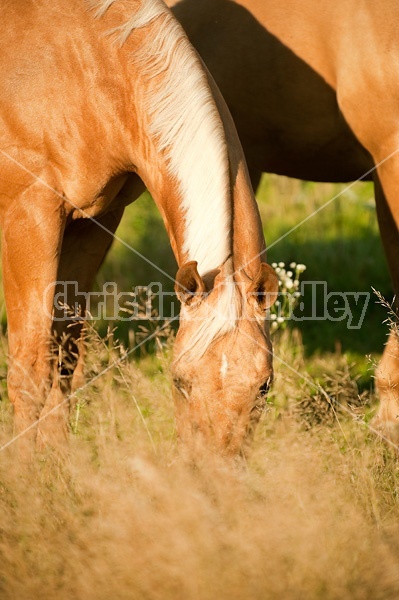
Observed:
{"x":98,"y":97}
{"x":313,"y":91}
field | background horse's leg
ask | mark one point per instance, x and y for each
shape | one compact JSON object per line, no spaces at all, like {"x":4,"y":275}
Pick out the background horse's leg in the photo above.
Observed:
{"x":387,"y":373}
{"x":84,"y":247}
{"x":31,"y":236}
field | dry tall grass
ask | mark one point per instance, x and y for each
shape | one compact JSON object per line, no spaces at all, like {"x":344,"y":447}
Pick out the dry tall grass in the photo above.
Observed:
{"x":313,"y":513}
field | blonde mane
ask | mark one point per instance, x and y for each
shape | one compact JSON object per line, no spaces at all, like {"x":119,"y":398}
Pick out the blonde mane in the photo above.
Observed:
{"x":187,"y":128}
{"x":147,"y":11}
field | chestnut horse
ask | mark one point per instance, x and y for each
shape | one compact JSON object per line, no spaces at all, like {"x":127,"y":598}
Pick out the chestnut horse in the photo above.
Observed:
{"x":313,"y":91}
{"x":99,"y":98}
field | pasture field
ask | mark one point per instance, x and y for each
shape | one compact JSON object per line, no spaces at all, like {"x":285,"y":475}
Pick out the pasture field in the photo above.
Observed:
{"x":313,"y":512}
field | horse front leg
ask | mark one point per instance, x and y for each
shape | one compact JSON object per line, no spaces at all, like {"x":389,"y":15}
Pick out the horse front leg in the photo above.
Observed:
{"x":31,"y":241}
{"x":85,"y":245}
{"x":387,"y":373}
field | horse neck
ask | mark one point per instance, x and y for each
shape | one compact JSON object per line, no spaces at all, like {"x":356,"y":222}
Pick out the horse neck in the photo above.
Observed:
{"x":248,"y":242}
{"x":182,"y":140}
{"x":177,"y":142}
{"x":206,"y":196}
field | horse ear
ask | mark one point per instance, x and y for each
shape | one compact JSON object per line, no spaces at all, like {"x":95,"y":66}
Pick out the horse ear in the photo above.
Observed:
{"x":189,"y":285}
{"x":264,"y":287}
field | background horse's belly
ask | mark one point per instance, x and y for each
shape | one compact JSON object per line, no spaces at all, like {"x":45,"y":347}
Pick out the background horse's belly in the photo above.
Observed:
{"x":330,"y":154}
{"x":286,"y":112}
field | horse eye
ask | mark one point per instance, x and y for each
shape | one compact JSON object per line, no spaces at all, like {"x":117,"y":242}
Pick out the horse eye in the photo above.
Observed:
{"x":264,"y":388}
{"x":178,"y":383}
{"x":182,"y":386}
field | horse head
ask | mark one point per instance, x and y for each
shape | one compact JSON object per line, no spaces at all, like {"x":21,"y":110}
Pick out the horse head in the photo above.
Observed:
{"x":222,"y":365}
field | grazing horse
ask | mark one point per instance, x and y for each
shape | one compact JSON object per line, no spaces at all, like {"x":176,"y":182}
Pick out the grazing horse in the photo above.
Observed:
{"x":98,"y":100}
{"x":313,"y":89}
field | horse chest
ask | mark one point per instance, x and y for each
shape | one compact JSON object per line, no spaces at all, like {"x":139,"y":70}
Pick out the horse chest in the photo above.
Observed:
{"x":98,"y":202}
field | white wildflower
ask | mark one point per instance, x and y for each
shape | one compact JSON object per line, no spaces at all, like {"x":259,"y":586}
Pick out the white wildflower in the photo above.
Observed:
{"x":288,"y":281}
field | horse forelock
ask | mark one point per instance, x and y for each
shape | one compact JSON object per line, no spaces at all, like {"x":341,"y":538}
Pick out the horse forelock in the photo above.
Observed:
{"x":213,"y":319}
{"x":186,"y":127}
